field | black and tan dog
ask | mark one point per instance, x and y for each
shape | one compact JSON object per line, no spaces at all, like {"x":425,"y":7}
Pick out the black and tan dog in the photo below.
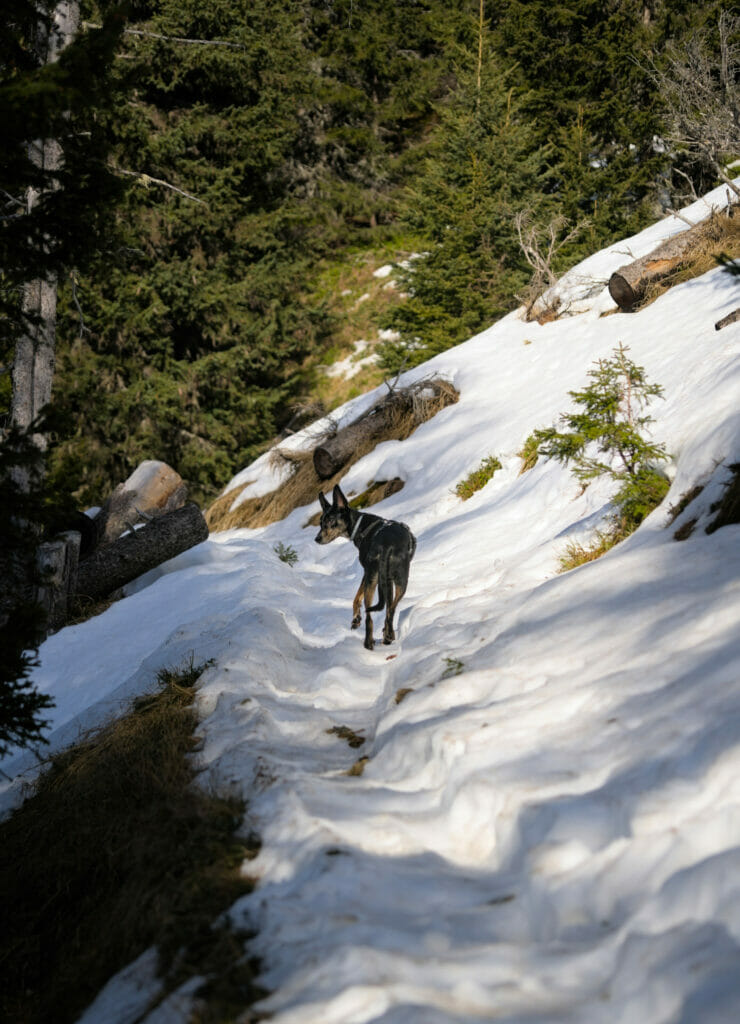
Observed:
{"x":385,"y":548}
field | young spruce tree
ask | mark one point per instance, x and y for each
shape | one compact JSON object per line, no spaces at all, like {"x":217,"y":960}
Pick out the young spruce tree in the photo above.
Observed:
{"x":484,"y":166}
{"x":605,"y":437}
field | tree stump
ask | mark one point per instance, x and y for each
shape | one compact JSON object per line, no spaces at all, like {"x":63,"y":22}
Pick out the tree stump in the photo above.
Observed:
{"x":57,"y":563}
{"x":154,"y":488}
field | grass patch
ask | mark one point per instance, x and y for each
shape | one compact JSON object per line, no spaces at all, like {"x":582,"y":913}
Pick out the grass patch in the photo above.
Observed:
{"x":114,"y":852}
{"x":358,"y":767}
{"x":478,"y":478}
{"x":576,"y":554}
{"x":454,"y":668}
{"x":529,"y":453}
{"x":356,"y":301}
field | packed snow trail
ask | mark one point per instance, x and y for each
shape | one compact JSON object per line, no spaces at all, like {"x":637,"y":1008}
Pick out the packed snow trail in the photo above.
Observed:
{"x":547,"y":823}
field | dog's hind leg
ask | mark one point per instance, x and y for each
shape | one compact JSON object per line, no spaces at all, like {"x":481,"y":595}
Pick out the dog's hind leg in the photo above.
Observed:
{"x":357,"y":605}
{"x":369,"y":591}
{"x":389,"y":634}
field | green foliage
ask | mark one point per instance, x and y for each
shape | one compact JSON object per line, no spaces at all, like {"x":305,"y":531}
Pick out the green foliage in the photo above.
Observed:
{"x":478,"y":478}
{"x":483,"y":166}
{"x":286,"y":553}
{"x":198,"y":306}
{"x":21,"y":618}
{"x":591,"y":101}
{"x":605,"y":436}
{"x":454,"y":667}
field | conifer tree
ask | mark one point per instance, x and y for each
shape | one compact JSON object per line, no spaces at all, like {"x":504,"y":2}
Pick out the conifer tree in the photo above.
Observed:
{"x":483,"y":167}
{"x":605,"y":436}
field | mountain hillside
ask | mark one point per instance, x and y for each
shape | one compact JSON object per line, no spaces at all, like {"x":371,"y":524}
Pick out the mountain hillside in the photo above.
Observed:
{"x":539,"y":816}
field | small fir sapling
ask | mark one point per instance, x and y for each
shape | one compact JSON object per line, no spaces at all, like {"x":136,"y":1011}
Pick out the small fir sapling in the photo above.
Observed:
{"x":605,"y":436}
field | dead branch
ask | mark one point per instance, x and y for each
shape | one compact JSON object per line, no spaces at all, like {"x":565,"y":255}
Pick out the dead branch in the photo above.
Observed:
{"x":172,"y":39}
{"x":699,"y":88}
{"x":731,"y":318}
{"x":147,"y":180}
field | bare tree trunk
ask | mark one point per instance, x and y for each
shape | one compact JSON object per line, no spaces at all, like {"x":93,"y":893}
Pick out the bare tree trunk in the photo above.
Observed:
{"x":33,"y":365}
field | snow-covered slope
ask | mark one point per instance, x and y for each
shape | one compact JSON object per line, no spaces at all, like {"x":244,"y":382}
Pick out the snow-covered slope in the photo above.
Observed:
{"x":547,"y":826}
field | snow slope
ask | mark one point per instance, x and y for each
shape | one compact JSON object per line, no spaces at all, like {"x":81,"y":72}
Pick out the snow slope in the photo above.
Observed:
{"x":547,"y":827}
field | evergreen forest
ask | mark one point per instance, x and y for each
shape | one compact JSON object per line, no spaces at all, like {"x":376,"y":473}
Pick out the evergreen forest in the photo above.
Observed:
{"x":225,"y":159}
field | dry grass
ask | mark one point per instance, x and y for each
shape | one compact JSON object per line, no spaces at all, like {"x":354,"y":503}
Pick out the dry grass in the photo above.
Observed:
{"x":358,"y":767}
{"x":354,"y":739}
{"x":401,"y":411}
{"x":576,"y":554}
{"x":117,"y":851}
{"x":529,"y":453}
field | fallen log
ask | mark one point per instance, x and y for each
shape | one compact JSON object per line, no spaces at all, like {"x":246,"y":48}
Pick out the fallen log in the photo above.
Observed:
{"x":397,"y":415}
{"x":116,"y":564}
{"x":628,"y":285}
{"x":727,"y":320}
{"x":152,"y":489}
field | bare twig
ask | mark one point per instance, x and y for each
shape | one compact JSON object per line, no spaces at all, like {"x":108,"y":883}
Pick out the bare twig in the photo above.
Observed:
{"x":698,"y":85}
{"x":183,"y":39}
{"x":172,"y":39}
{"x":675,"y":213}
{"x":82,"y":328}
{"x":147,"y":179}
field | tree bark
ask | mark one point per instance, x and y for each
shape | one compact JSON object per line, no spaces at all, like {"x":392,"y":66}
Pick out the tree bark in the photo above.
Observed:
{"x":731,"y":318}
{"x":628,"y":284}
{"x":33,"y":363}
{"x":57,"y":563}
{"x":113,"y":566}
{"x":397,"y":415}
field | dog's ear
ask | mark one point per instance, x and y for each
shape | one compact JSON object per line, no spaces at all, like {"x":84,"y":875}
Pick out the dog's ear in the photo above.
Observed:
{"x":339,"y":499}
{"x":325,"y":506}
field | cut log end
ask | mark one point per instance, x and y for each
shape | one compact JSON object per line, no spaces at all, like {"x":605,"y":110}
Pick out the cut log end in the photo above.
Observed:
{"x":324,"y":463}
{"x":622,"y":293}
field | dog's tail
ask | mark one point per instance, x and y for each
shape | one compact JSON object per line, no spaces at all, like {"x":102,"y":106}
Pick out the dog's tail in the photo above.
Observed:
{"x":385,"y":587}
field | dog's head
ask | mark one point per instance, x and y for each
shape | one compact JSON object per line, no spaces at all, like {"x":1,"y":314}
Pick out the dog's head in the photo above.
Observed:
{"x":335,"y":518}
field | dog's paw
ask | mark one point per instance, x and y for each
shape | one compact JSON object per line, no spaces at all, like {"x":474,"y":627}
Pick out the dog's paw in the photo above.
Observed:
{"x":355,"y":622}
{"x":369,"y":645}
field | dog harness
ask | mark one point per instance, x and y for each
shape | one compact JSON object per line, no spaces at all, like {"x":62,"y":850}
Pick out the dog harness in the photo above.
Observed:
{"x":357,"y":523}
